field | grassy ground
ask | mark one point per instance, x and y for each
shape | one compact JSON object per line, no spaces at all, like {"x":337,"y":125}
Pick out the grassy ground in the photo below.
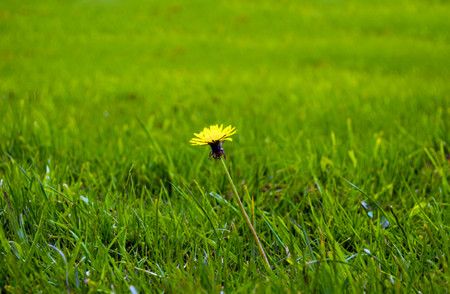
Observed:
{"x":343,"y":117}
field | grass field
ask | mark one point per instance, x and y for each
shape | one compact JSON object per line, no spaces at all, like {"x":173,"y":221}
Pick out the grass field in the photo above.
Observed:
{"x":342,"y":154}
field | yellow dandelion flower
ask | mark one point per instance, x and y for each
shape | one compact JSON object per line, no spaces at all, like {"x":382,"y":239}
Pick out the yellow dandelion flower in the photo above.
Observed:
{"x":214,"y":136}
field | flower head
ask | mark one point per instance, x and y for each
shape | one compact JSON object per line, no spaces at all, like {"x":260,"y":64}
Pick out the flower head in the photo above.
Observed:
{"x":214,"y":136}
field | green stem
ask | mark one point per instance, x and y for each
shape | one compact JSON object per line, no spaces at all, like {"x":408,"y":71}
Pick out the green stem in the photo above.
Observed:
{"x":247,"y":219}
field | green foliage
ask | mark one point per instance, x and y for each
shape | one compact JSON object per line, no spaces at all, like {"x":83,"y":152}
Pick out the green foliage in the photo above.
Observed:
{"x":343,"y":117}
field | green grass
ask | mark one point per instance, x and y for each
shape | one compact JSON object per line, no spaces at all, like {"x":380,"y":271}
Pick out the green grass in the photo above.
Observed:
{"x":336,"y":103}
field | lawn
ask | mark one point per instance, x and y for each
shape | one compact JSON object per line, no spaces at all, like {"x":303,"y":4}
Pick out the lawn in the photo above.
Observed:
{"x":341,"y":156}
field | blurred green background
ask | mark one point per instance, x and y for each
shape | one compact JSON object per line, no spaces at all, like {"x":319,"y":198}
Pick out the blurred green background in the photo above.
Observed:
{"x":78,"y":76}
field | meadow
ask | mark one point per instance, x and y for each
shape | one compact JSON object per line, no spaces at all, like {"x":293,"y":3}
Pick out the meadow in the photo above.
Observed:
{"x":341,"y":156}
